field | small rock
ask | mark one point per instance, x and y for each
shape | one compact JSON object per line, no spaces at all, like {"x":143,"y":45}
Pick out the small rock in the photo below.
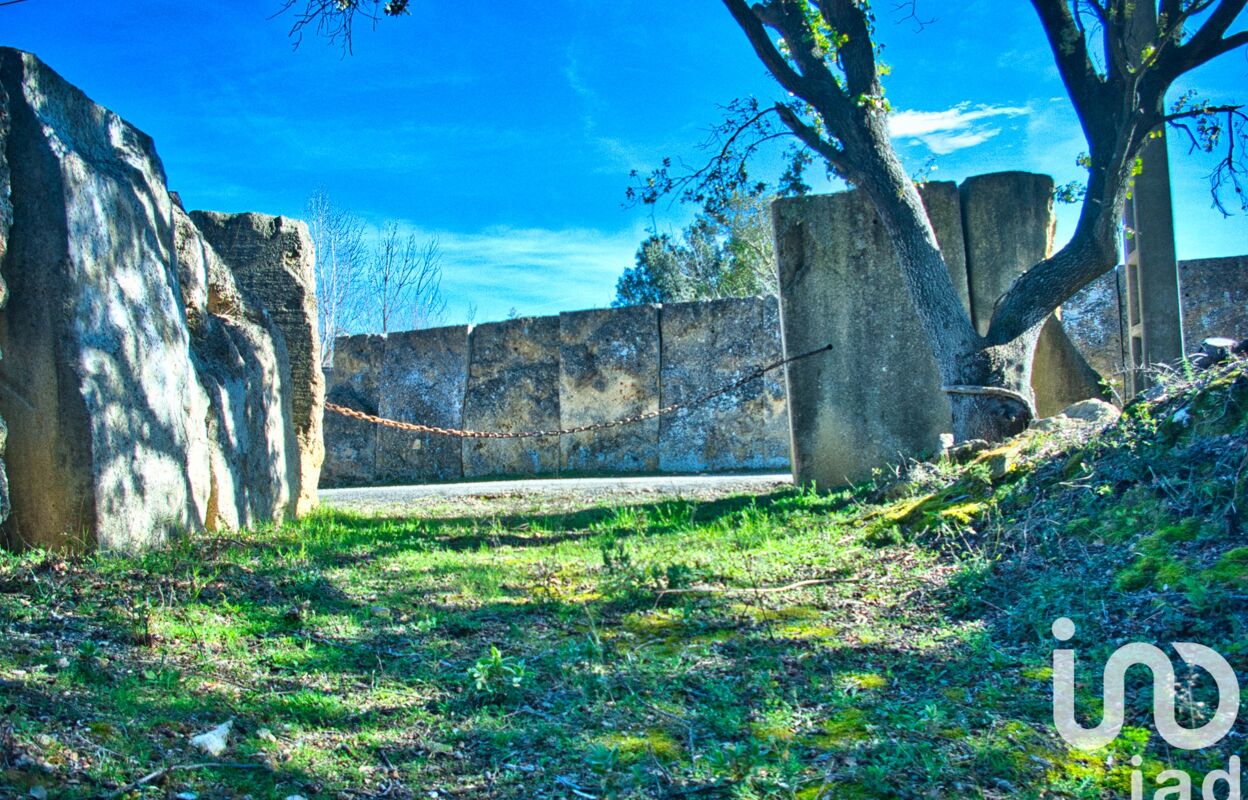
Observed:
{"x":379,"y":611}
{"x":39,"y":793}
{"x":1097,"y":412}
{"x":967,"y":450}
{"x":266,"y":735}
{"x":62,"y":663}
{"x":295,"y":797}
{"x":186,"y":796}
{"x":1182,"y":416}
{"x":214,"y":742}
{"x":1051,"y":424}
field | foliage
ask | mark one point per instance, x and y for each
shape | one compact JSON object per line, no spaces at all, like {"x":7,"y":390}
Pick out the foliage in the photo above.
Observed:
{"x":497,"y":675}
{"x":728,"y":253}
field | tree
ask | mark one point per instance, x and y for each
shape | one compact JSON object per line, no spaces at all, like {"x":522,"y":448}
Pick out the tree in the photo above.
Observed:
{"x":726,"y":252}
{"x":338,"y":238}
{"x":1116,"y":66}
{"x":405,"y":281}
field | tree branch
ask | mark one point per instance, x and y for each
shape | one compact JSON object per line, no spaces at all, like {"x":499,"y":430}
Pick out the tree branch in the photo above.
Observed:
{"x":1207,"y":43}
{"x":751,"y":23}
{"x":1074,"y":63}
{"x":811,"y":138}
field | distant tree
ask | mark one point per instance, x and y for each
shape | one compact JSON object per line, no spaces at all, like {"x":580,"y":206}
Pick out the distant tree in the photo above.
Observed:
{"x":338,"y":237}
{"x":725,"y":252}
{"x":405,"y":282}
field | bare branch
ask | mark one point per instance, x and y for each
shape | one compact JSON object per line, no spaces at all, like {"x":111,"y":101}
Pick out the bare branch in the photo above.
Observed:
{"x":911,"y":7}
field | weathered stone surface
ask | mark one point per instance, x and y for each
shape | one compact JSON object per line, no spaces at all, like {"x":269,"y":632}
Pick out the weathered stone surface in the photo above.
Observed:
{"x":1091,"y":319}
{"x":98,"y":381}
{"x":424,"y":375}
{"x":240,"y":360}
{"x":876,"y":395}
{"x":1060,"y":374}
{"x":1215,"y":299}
{"x":351,"y":445}
{"x":1009,"y":224}
{"x":513,"y":385}
{"x":272,"y":260}
{"x":707,"y":345}
{"x":609,"y":369}
{"x":1214,"y":292}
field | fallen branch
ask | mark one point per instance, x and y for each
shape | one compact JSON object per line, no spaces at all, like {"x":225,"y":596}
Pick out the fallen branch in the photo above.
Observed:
{"x":160,"y":773}
{"x":756,"y":591}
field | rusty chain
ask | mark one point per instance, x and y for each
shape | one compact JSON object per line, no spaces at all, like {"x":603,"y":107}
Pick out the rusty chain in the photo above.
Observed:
{"x":597,"y":426}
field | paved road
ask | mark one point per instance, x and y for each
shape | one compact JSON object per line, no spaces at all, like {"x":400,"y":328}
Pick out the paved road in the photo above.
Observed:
{"x":567,"y":490}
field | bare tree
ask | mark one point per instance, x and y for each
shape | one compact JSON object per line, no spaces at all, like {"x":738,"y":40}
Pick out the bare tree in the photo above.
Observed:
{"x":406,"y":280}
{"x":338,"y":237}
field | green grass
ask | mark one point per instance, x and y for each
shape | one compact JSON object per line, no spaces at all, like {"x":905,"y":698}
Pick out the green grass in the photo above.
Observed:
{"x":513,"y":650}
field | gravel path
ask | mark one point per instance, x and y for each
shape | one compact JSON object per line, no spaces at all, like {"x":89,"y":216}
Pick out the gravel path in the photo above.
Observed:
{"x":556,"y":491}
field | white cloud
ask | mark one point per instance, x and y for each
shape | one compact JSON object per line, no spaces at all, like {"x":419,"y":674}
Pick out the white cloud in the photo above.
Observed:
{"x":953,"y":129}
{"x":534,"y":270}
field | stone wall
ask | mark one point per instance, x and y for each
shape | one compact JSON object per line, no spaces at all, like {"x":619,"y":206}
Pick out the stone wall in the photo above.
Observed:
{"x":1214,"y":293}
{"x":544,"y":373}
{"x":151,"y":384}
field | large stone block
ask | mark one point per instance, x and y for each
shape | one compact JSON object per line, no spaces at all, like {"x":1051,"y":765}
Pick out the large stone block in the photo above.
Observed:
{"x":513,"y":385}
{"x":705,"y":346}
{"x":609,"y":369}
{"x":98,"y":384}
{"x":1010,"y":225}
{"x":240,"y":360}
{"x":351,"y":445}
{"x":272,"y":260}
{"x":424,"y":376}
{"x":876,"y":395}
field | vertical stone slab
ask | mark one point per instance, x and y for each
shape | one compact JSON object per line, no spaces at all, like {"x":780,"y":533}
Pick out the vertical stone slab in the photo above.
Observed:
{"x":609,"y":369}
{"x":424,"y":375}
{"x":876,"y":396}
{"x":1065,"y":377}
{"x":513,"y":385}
{"x":251,"y":450}
{"x":97,"y":377}
{"x":272,"y":260}
{"x":707,"y":345}
{"x":1009,"y":225}
{"x":351,"y":445}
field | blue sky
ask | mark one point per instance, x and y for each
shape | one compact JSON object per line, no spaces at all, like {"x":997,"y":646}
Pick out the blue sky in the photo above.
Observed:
{"x":508,"y":130}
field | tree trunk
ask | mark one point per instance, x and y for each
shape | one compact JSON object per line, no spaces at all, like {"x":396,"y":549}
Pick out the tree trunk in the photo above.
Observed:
{"x":989,"y":386}
{"x":977,"y":412}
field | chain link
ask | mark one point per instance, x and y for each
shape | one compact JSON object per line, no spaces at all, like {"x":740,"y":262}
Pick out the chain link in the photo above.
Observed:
{"x":597,"y":426}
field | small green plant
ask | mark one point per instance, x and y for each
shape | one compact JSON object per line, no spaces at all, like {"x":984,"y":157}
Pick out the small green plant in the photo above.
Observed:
{"x":497,"y":675}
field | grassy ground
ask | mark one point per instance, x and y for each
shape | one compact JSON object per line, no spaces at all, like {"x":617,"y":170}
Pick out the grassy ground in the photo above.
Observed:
{"x":890,"y":641}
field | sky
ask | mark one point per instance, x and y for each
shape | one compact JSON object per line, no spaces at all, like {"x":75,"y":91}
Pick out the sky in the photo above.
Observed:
{"x":508,"y":130}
